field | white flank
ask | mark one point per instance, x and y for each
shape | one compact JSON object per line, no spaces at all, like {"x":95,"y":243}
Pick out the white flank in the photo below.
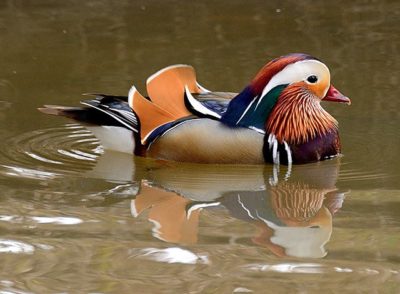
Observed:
{"x":114,"y":138}
{"x":296,"y":72}
{"x":198,"y":106}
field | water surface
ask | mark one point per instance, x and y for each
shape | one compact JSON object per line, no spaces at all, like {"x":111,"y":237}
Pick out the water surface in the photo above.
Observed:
{"x":74,"y":218}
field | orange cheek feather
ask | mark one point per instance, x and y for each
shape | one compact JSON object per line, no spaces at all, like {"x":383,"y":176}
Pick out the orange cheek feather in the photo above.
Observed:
{"x":316,"y":89}
{"x":319,"y":88}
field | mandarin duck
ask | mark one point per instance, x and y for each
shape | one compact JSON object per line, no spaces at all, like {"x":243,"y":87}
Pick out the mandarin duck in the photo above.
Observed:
{"x":277,"y":118}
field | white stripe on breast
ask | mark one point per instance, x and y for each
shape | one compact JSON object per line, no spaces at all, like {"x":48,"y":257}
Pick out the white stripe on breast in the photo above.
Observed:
{"x":289,"y":153}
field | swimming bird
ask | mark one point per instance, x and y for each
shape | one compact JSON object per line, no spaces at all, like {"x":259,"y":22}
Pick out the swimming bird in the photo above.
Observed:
{"x":276,"y":118}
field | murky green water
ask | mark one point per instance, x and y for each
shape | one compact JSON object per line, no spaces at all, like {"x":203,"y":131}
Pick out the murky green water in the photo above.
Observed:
{"x":74,"y":219}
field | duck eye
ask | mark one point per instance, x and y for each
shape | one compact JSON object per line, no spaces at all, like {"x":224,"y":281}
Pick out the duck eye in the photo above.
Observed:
{"x":312,"y":79}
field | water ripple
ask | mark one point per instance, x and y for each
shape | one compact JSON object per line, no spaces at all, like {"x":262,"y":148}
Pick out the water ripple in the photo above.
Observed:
{"x":315,"y":268}
{"x":63,"y":149}
{"x":304,"y":268}
{"x":359,"y":175}
{"x":28,"y":173}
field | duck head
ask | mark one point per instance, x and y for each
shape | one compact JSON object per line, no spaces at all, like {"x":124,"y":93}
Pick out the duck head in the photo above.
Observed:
{"x":284,"y":99}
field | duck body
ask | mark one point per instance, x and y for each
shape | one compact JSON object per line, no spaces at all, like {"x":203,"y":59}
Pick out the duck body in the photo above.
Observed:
{"x":277,"y":118}
{"x":209,"y":141}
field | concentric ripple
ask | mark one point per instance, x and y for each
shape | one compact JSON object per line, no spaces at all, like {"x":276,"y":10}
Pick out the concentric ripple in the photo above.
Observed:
{"x":70,"y":148}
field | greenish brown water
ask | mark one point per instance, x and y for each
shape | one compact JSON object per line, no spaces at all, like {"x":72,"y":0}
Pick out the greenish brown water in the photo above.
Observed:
{"x":74,"y":219}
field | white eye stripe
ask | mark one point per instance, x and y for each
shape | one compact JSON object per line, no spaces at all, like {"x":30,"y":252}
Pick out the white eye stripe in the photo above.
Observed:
{"x":295,"y":72}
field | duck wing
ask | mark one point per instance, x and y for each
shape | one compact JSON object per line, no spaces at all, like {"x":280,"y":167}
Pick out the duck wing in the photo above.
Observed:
{"x":116,"y":107}
{"x":208,"y":104}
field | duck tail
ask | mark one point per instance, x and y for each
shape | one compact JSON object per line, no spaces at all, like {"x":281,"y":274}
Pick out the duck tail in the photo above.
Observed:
{"x":108,"y":117}
{"x":75,"y":113}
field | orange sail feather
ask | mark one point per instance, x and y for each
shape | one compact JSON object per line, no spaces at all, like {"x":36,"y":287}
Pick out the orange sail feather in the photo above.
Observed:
{"x":151,"y":116}
{"x":166,"y":88}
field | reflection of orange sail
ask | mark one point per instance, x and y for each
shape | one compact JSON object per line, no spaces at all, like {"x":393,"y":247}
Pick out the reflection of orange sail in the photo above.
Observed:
{"x":168,"y":214}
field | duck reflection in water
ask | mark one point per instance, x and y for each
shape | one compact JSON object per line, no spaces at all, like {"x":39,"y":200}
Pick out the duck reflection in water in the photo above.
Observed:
{"x":291,"y":210}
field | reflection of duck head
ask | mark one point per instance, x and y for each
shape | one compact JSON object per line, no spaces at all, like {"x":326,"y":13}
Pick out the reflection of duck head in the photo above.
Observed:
{"x":294,"y":218}
{"x":292,"y":209}
{"x":304,"y":239}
